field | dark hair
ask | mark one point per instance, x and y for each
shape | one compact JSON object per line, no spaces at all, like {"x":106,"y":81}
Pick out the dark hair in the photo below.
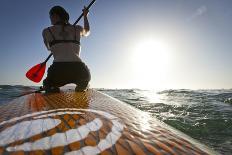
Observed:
{"x":61,"y":12}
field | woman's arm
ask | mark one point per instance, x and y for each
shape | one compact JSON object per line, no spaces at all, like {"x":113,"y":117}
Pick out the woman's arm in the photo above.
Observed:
{"x":86,"y":22}
{"x":45,"y":40}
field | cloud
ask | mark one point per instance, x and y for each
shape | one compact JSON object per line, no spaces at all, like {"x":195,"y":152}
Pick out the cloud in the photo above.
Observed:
{"x":199,"y":12}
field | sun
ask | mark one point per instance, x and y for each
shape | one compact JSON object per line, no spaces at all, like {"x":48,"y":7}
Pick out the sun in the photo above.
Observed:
{"x":150,"y":60}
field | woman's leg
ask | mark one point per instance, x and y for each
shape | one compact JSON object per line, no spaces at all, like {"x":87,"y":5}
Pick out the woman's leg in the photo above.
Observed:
{"x":50,"y":84}
{"x":83,"y":79}
{"x":62,"y":73}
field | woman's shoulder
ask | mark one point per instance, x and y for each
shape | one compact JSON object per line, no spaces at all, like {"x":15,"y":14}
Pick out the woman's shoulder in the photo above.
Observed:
{"x":47,"y":29}
{"x":50,"y":29}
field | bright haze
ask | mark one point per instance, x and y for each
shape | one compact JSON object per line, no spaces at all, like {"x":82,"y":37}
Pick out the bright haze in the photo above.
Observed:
{"x":146,"y":44}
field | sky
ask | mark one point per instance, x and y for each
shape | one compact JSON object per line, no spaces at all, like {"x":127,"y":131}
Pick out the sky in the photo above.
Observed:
{"x":145,"y":44}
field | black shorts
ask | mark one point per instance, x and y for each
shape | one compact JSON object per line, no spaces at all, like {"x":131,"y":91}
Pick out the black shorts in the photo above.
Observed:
{"x":62,"y":73}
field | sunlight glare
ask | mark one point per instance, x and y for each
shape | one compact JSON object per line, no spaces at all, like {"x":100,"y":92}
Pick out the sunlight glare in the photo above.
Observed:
{"x":151,"y":60}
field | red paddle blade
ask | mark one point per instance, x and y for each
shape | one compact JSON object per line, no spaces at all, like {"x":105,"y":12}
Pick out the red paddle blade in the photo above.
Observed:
{"x":36,"y":73}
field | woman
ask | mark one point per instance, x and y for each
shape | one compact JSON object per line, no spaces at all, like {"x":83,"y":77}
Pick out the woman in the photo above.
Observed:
{"x":63,"y":40}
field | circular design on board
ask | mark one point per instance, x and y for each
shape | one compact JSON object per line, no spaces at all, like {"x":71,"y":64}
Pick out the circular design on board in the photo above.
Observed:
{"x":18,"y":132}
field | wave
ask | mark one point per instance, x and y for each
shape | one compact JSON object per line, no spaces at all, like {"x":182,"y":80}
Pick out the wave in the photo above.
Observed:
{"x":10,"y":92}
{"x":228,"y":100}
{"x":200,"y":95}
{"x":16,"y":87}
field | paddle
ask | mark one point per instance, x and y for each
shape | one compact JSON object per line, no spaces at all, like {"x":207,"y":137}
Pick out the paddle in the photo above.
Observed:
{"x":31,"y":92}
{"x":36,"y":73}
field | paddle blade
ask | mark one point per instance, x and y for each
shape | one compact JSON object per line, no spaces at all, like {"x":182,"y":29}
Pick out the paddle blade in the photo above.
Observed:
{"x":36,"y":73}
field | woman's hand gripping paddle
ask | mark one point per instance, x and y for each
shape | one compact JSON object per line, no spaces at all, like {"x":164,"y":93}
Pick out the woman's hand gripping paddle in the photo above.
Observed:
{"x":36,"y":73}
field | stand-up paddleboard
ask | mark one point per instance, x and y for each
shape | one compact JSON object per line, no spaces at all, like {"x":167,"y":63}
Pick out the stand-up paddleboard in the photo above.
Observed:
{"x":86,"y":123}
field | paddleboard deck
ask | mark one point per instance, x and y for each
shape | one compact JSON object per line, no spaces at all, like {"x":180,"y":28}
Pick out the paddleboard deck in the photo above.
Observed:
{"x":86,"y":123}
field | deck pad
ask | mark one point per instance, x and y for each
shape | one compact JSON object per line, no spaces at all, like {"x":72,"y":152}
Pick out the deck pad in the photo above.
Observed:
{"x":86,"y":123}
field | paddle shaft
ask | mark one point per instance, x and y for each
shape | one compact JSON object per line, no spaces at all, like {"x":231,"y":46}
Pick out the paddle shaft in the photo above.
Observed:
{"x":78,"y":19}
{"x":31,"y":92}
{"x":42,"y":64}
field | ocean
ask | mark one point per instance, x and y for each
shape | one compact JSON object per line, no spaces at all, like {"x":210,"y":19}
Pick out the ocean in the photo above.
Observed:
{"x":205,"y":115}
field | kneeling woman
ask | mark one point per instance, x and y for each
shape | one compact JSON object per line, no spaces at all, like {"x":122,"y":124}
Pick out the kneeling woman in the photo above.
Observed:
{"x":63,"y":40}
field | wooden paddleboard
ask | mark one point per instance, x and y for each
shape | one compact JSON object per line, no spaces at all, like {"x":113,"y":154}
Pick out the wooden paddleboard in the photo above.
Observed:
{"x":86,"y":123}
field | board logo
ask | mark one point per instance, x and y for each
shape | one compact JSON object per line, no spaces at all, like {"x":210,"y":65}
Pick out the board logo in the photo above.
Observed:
{"x":33,"y":132}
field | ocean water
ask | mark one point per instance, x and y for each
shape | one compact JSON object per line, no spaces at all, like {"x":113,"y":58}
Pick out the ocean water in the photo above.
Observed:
{"x":205,"y":115}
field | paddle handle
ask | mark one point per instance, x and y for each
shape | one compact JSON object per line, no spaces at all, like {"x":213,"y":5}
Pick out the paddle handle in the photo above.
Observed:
{"x":78,"y":19}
